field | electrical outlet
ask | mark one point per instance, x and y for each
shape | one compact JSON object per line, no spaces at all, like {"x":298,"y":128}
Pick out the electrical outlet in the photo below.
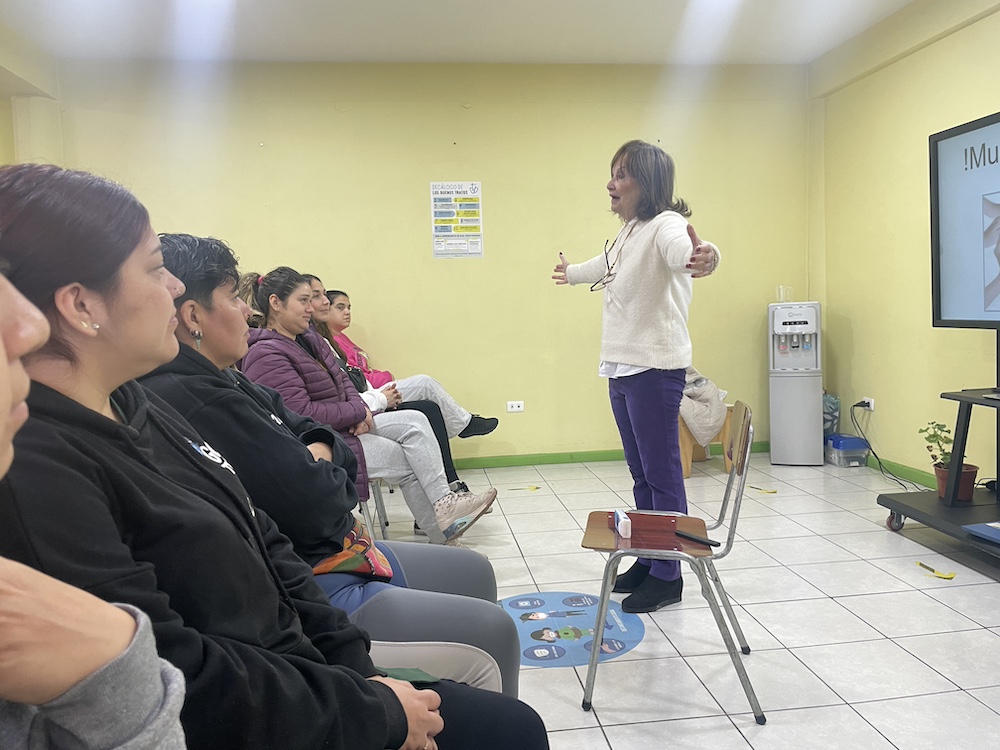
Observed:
{"x":868,"y":404}
{"x":515,"y":406}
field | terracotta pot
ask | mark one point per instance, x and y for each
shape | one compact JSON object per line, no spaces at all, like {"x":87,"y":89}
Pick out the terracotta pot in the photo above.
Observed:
{"x":966,"y":482}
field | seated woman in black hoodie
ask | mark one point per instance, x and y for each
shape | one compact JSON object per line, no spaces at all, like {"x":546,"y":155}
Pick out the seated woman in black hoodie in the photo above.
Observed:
{"x":294,"y":469}
{"x":112,"y":491}
{"x":74,"y":670}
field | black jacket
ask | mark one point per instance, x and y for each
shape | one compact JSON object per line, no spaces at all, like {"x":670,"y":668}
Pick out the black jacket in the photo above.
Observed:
{"x":147,"y":513}
{"x":311,"y":501}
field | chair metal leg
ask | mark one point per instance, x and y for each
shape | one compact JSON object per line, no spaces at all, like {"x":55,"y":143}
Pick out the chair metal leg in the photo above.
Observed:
{"x":727,"y":605}
{"x":383,"y":520}
{"x":610,"y":571}
{"x":366,"y":511}
{"x":706,"y":591}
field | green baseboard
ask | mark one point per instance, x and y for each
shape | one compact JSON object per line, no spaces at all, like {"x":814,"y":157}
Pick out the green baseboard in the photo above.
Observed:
{"x":532,"y":459}
{"x":925,"y":478}
{"x":715,"y":449}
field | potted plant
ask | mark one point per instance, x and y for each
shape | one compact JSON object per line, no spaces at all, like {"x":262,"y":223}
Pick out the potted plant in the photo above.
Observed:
{"x":939,"y":441}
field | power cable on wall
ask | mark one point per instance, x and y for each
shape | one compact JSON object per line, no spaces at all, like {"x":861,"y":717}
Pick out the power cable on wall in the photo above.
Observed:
{"x":881,"y":467}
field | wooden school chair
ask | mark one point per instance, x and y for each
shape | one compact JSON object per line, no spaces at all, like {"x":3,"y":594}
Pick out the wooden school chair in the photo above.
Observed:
{"x":691,"y":451}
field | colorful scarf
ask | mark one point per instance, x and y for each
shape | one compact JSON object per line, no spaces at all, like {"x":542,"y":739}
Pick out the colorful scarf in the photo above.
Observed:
{"x":359,"y":557}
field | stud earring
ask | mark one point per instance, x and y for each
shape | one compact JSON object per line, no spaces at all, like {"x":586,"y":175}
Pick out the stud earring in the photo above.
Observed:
{"x":95,"y":326}
{"x":197,"y":339}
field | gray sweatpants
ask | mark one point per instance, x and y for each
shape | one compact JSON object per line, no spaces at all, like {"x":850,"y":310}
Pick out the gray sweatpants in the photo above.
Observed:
{"x":450,"y":595}
{"x":402,"y":450}
{"x":426,"y":388}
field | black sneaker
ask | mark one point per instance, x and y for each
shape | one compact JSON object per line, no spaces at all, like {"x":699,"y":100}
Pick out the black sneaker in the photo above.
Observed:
{"x":479,"y":426}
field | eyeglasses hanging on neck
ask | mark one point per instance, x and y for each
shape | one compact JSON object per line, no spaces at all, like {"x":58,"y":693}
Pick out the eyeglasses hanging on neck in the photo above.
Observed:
{"x":609,"y":275}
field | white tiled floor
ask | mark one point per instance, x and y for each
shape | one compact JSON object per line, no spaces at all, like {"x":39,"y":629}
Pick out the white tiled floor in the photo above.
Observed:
{"x":855,"y":646}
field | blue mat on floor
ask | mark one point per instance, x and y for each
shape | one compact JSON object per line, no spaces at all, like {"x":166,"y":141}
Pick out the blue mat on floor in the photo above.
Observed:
{"x":556,"y":628}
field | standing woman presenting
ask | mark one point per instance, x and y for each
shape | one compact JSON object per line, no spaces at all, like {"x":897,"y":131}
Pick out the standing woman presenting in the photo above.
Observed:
{"x":645,"y":274}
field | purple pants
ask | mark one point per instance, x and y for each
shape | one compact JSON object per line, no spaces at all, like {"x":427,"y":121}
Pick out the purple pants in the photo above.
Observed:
{"x":646,"y":407}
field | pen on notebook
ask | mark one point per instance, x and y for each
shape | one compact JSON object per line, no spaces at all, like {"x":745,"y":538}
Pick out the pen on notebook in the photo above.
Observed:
{"x":696,"y":538}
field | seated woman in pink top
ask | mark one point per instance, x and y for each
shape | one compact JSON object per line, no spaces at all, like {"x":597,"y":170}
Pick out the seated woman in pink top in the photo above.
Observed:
{"x":459,"y":422}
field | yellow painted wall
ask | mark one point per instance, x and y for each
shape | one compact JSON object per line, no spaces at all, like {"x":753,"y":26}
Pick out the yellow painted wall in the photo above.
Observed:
{"x":29,"y":87}
{"x":880,"y":341}
{"x":25,"y":69}
{"x":6,"y":132}
{"x":812,"y":177}
{"x":327,"y":168}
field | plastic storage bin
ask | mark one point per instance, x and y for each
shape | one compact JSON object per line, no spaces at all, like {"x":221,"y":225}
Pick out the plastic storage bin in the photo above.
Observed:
{"x":846,"y":450}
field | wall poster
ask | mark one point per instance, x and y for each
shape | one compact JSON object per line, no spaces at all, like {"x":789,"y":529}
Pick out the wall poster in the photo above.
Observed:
{"x":457,"y":219}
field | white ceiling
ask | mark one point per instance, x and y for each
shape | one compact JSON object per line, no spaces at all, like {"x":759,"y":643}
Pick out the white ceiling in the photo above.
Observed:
{"x":491,"y":31}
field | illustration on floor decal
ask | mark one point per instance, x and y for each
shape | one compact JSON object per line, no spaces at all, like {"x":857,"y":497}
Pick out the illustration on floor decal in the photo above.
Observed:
{"x":556,"y":628}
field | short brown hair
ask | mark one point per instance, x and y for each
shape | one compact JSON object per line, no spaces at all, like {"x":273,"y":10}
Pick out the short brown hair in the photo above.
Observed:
{"x":653,"y":169}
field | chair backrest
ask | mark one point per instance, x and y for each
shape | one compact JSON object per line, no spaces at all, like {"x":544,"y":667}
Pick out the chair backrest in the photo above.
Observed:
{"x":737,"y":448}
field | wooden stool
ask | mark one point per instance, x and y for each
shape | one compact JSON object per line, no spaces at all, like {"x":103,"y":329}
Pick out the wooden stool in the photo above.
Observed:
{"x":690,"y":449}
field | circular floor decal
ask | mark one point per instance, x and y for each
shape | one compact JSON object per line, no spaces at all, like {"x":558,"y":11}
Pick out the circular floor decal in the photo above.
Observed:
{"x":556,"y":628}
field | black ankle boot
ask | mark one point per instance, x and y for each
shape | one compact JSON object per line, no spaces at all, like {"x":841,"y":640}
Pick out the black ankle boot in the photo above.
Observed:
{"x":629,"y":581}
{"x":653,"y":594}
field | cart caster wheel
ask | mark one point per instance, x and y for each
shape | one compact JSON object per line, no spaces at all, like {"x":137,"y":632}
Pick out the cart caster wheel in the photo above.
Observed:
{"x":586,"y":705}
{"x":895,"y":522}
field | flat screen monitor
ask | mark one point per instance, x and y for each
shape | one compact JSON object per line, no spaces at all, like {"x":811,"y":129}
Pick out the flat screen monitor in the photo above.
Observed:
{"x":965,"y":224}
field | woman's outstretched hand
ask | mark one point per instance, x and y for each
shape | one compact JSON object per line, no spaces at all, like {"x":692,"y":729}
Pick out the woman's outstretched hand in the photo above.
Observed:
{"x":704,"y":258}
{"x":559,"y":272}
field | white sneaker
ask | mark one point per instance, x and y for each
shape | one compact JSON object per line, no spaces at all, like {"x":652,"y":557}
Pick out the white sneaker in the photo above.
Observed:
{"x":460,"y":486}
{"x":457,"y":511}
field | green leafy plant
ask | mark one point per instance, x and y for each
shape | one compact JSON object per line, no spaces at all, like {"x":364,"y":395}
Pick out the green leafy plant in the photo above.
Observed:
{"x":938,"y":437}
